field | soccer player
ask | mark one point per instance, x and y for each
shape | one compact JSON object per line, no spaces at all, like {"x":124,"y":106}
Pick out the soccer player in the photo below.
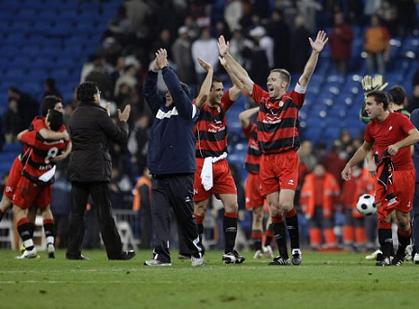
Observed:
{"x":415,"y":249}
{"x":34,"y":186}
{"x":254,"y":200}
{"x":398,"y":100}
{"x":38,"y":125}
{"x":213,"y":175}
{"x":389,"y":134}
{"x":278,"y":137}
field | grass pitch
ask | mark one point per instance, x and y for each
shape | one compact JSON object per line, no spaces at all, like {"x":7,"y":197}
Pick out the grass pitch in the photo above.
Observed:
{"x":324,"y":280}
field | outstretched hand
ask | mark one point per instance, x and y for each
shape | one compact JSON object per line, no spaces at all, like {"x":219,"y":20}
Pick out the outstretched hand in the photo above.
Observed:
{"x":320,"y":41}
{"x":347,"y":172}
{"x":205,"y":65}
{"x":223,"y":46}
{"x":123,"y":116}
{"x":222,"y":61}
{"x":161,"y":58}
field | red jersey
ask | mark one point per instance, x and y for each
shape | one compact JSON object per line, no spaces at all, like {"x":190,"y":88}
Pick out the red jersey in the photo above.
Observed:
{"x":211,"y":129}
{"x":388,"y":132}
{"x":278,"y":126}
{"x":37,"y":158}
{"x":253,"y":151}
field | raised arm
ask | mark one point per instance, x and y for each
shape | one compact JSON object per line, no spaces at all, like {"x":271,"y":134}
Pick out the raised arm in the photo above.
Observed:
{"x":153,"y":99}
{"x":234,"y":69}
{"x":206,"y":84}
{"x":181,"y":100}
{"x":317,"y":47}
{"x":234,"y":92}
{"x":234,"y":78}
{"x":246,"y":115}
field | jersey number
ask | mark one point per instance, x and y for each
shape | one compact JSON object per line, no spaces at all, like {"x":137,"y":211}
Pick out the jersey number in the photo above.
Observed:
{"x":52,"y":153}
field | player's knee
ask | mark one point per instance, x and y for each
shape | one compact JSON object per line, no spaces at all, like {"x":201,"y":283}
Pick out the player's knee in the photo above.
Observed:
{"x":286,"y":205}
{"x":257,"y":215}
{"x":404,"y":224}
{"x":231,"y":207}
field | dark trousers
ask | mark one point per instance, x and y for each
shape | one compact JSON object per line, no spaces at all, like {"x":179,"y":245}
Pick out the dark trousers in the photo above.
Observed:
{"x":99,"y":192}
{"x":416,"y":219}
{"x":174,"y":191}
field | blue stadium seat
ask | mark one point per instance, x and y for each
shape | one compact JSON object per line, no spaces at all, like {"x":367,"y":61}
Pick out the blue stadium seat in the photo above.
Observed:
{"x":12,"y":148}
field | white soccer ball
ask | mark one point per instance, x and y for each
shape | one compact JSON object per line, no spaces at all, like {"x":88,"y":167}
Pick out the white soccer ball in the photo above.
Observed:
{"x":366,"y":205}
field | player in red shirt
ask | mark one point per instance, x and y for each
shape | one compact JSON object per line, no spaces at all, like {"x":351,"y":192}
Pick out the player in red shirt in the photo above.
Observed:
{"x":278,"y":137}
{"x":389,"y":134}
{"x":34,"y":186}
{"x":254,"y":198}
{"x":38,"y":125}
{"x":213,"y":175}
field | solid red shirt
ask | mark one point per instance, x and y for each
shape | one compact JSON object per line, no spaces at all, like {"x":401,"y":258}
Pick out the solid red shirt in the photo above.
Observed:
{"x":388,"y":132}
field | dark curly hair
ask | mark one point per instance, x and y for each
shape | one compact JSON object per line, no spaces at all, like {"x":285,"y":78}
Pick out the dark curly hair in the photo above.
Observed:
{"x":86,"y":92}
{"x":55,"y":119}
{"x":48,"y":103}
{"x":379,"y":97}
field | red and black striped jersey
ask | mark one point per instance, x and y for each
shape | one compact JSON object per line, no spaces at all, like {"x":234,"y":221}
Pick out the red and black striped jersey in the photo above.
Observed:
{"x":37,"y":124}
{"x":211,"y":129}
{"x":277,"y":120}
{"x":39,"y":153}
{"x":251,"y":162}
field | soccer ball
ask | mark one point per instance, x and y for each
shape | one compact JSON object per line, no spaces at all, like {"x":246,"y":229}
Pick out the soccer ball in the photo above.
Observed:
{"x":366,"y":205}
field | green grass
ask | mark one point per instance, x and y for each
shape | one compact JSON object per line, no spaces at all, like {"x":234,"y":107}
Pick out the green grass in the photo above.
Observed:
{"x":324,"y":280}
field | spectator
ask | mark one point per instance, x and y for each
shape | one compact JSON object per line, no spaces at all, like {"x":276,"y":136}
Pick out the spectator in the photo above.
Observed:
{"x":12,"y":122}
{"x":354,"y":235}
{"x":376,"y":45}
{"x":280,"y":33}
{"x":335,"y":161}
{"x":257,"y":62}
{"x":142,"y":207}
{"x":308,"y":10}
{"x":26,"y":105}
{"x":237,"y":45}
{"x":341,"y":43}
{"x":264,"y":42}
{"x":164,"y":41}
{"x":118,"y":71}
{"x":232,"y":13}
{"x":129,"y":78}
{"x":100,"y":76}
{"x":299,"y":46}
{"x":318,"y":196}
{"x":182,"y":57}
{"x":415,"y":93}
{"x":306,"y":155}
{"x":137,"y":12}
{"x":205,"y":48}
{"x":50,"y":88}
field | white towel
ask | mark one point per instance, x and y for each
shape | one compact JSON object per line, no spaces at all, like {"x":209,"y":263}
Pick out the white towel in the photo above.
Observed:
{"x":45,"y":177}
{"x":206,"y":173}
